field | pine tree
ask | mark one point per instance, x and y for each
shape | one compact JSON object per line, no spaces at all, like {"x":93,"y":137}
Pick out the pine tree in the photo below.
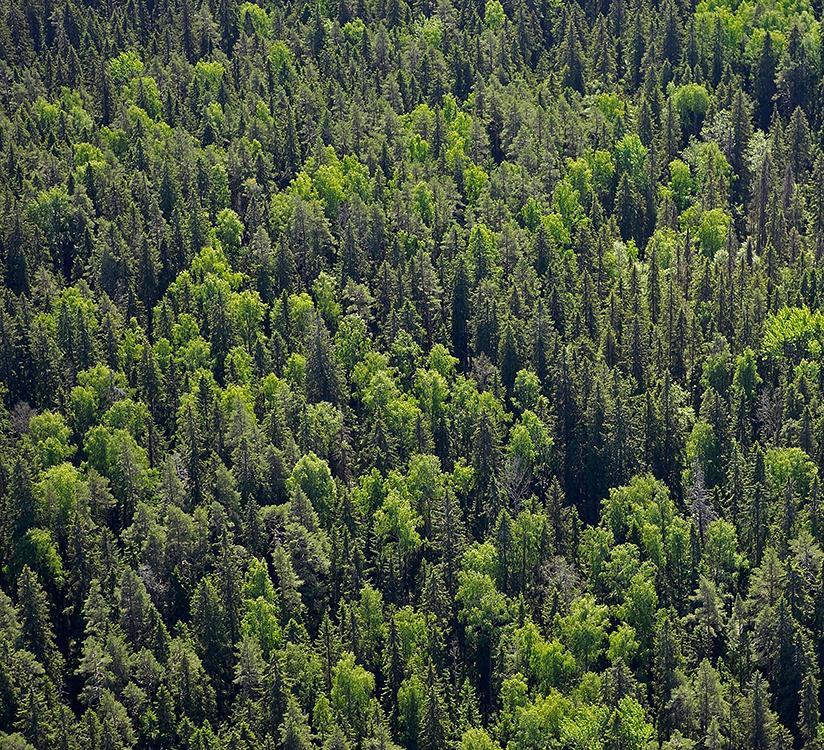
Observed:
{"x":757,"y":513}
{"x":294,"y":732}
{"x":322,"y":376}
{"x":666,"y":661}
{"x":808,"y":717}
{"x":508,"y":356}
{"x":760,"y":722}
{"x":764,"y":84}
{"x":460,"y":313}
{"x":16,"y":264}
{"x":741,"y":134}
{"x":486,"y":454}
{"x":432,"y":730}
{"x":36,"y":625}
{"x":626,"y":206}
{"x":211,"y":632}
{"x":574,"y":75}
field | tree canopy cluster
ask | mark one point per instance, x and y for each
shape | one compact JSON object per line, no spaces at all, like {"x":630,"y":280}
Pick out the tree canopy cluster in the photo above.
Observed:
{"x":411,"y":374}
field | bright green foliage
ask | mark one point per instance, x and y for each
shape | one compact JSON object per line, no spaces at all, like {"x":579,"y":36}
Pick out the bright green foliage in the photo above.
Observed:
{"x":794,"y":332}
{"x":49,"y":438}
{"x":712,"y":231}
{"x":352,"y":688}
{"x":422,"y":375}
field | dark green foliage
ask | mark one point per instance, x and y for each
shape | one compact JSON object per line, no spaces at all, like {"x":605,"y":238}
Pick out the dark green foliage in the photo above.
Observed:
{"x":411,"y":374}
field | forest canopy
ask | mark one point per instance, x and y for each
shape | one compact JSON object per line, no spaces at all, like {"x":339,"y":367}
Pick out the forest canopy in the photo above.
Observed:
{"x":411,"y":374}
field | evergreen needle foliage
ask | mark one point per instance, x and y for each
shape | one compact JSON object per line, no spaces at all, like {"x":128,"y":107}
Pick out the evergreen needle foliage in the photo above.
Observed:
{"x":414,"y":374}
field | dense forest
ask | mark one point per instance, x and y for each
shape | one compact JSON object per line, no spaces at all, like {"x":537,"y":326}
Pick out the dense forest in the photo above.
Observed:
{"x":440,"y":374}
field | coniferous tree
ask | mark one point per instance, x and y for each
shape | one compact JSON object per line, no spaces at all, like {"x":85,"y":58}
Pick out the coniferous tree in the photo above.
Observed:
{"x":411,"y":374}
